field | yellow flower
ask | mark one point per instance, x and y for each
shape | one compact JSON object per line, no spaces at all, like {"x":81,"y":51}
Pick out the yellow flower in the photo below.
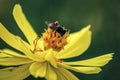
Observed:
{"x":44,"y":57}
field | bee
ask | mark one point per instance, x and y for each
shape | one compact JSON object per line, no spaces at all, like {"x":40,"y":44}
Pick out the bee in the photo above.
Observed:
{"x":57,"y":27}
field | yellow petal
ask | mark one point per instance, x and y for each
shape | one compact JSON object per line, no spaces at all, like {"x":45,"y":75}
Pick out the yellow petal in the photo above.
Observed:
{"x":4,"y":55}
{"x":14,"y":73}
{"x":10,"y":61}
{"x":77,"y":43}
{"x":50,"y":58}
{"x":9,"y":38}
{"x":41,"y":72}
{"x":60,"y":76}
{"x":10,"y":53}
{"x":87,"y":70}
{"x":34,"y":68}
{"x":27,"y":51}
{"x":9,"y":58}
{"x":51,"y":75}
{"x":40,"y":44}
{"x":24,"y":24}
{"x":97,"y":61}
{"x":67,"y":74}
{"x":82,"y":69}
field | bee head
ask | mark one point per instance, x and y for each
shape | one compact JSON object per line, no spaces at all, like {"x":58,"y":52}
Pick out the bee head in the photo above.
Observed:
{"x":52,"y":25}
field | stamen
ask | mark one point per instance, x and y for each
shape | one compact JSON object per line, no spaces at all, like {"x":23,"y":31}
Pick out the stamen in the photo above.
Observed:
{"x":35,"y":45}
{"x":58,"y":60}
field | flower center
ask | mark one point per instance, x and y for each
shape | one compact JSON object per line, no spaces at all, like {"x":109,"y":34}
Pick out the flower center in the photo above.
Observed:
{"x":55,"y":36}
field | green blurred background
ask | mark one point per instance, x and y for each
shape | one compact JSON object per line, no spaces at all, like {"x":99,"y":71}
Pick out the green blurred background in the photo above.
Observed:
{"x":103,"y":15}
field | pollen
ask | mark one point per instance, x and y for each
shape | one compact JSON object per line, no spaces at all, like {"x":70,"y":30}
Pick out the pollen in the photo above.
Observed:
{"x":55,"y":38}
